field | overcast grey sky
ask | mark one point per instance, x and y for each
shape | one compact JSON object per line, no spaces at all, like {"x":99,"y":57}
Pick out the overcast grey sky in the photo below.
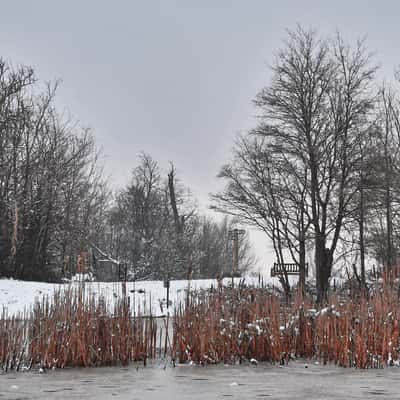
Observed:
{"x":175,"y":78}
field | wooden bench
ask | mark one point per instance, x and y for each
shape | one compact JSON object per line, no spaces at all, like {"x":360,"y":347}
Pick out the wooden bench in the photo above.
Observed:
{"x":290,"y":268}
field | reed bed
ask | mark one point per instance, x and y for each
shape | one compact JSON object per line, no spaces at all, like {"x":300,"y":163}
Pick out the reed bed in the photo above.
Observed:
{"x":238,"y":325}
{"x":76,"y":329}
{"x":222,"y":325}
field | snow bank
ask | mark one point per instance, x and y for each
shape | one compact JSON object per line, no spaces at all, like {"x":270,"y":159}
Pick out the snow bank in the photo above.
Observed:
{"x":146,"y":296}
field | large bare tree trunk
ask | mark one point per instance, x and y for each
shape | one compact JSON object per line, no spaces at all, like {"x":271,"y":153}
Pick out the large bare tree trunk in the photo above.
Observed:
{"x":302,"y":265}
{"x":361,"y":238}
{"x":323,"y":262}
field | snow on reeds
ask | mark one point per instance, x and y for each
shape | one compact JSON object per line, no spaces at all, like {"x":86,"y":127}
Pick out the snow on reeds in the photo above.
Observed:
{"x":236,"y":325}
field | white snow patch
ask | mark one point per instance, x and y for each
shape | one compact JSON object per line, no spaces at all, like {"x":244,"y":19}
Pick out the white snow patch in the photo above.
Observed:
{"x":144,"y":296}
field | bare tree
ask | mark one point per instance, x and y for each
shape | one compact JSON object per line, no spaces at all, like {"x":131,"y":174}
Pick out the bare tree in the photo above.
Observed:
{"x":254,"y":196}
{"x":313,"y":117}
{"x":47,"y":167}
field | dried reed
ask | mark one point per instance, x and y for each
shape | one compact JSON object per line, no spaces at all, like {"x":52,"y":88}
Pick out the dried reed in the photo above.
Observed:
{"x":234,"y":325}
{"x":76,"y":329}
{"x":227,"y":325}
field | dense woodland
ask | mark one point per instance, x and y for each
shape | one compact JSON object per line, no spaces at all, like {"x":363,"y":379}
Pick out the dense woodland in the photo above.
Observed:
{"x":55,"y":204}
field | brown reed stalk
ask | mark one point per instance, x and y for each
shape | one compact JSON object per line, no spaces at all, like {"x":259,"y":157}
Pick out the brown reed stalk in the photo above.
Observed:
{"x":233,"y":325}
{"x":73,"y":328}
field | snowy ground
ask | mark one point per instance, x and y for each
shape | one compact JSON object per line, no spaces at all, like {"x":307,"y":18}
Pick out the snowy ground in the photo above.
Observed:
{"x":18,"y":296}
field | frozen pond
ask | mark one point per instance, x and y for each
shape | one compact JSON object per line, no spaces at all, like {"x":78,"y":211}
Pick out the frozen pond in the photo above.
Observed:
{"x":212,"y":382}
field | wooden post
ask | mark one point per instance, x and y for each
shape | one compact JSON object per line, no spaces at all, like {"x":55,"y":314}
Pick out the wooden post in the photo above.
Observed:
{"x":81,"y":264}
{"x":167,"y":285}
{"x":234,"y":235}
